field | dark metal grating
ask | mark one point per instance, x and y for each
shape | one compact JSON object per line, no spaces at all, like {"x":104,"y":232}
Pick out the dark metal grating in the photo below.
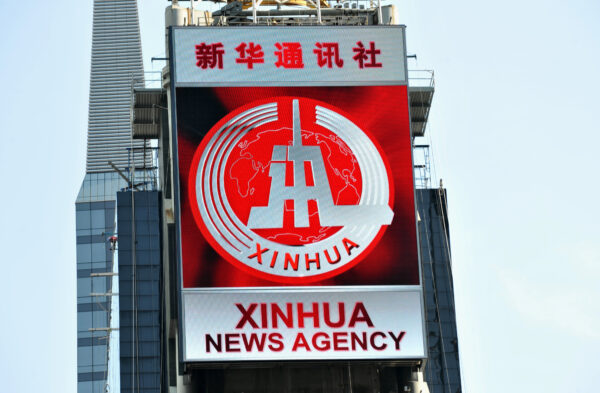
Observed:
{"x":147,"y":106}
{"x":420,"y":102}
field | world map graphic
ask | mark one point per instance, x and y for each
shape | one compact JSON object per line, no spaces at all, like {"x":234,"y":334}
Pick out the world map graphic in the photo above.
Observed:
{"x":248,"y":181}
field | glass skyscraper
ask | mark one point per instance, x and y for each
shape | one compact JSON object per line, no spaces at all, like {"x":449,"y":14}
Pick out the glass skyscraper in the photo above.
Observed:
{"x":116,"y":68}
{"x":95,"y":215}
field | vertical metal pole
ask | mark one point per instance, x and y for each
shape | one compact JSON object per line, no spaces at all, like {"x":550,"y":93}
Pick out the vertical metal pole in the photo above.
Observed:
{"x":319,"y":11}
{"x":379,"y":14}
{"x":254,"y":11}
{"x":192,"y":19}
{"x":133,"y":290}
{"x":350,"y":390}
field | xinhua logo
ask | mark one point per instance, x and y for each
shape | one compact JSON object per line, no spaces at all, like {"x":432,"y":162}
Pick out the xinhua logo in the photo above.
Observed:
{"x":290,"y":190}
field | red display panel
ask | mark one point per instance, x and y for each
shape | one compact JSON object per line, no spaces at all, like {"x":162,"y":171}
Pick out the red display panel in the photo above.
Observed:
{"x":277,"y":182}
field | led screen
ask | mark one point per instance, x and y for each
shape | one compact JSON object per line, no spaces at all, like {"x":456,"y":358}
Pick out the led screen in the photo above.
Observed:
{"x":295,"y":195}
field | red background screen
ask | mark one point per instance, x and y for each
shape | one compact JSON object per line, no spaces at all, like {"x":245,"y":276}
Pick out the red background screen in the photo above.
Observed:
{"x":380,"y":110}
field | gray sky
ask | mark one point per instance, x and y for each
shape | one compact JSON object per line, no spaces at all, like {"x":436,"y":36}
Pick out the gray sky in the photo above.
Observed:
{"x":514,"y":136}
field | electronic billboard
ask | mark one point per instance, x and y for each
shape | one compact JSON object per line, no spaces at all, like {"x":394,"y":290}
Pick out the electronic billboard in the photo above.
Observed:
{"x":295,"y":210}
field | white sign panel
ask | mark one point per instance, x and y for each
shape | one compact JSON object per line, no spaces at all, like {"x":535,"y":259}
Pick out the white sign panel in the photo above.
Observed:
{"x":269,"y":325}
{"x":272,"y":56}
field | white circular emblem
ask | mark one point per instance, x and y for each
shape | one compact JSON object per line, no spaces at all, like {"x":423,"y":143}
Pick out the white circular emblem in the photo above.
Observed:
{"x":290,"y":190}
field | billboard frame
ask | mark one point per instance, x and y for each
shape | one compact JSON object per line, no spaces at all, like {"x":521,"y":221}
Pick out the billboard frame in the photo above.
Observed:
{"x":177,"y":210}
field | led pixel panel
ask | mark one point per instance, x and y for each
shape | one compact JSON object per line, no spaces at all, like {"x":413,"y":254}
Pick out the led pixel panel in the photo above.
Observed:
{"x":295,"y":194}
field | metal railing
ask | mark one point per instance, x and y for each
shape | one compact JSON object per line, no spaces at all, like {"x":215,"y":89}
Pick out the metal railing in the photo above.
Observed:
{"x":144,"y":178}
{"x":298,"y":12}
{"x":152,"y":79}
{"x":421,"y":78}
{"x":422,"y":166}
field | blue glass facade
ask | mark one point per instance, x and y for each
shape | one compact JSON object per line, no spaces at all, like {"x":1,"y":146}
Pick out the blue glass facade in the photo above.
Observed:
{"x":140,"y":291}
{"x":442,"y":372}
{"x":95,"y":213}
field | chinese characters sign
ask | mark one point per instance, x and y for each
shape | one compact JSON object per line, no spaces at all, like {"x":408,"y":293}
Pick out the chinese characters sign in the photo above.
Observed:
{"x":290,"y":56}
